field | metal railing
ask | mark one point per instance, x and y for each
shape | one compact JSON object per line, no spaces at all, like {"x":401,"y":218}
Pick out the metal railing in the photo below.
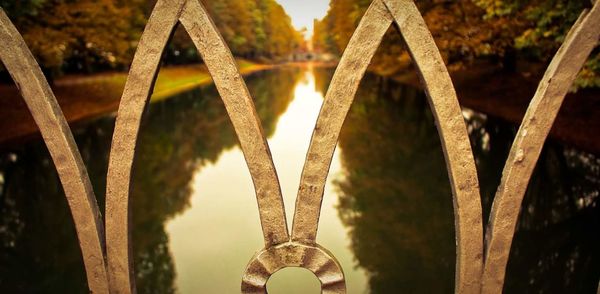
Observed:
{"x":106,"y":248}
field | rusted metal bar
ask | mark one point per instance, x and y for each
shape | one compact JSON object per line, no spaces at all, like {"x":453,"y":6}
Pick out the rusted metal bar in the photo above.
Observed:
{"x":138,"y":88}
{"x":238,"y":103}
{"x":47,"y":114}
{"x":339,"y":98}
{"x":529,"y":141}
{"x":451,"y":125}
{"x":459,"y":157}
{"x":241,"y":110}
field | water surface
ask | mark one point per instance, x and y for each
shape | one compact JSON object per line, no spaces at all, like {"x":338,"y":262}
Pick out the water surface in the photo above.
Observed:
{"x":387,"y":211}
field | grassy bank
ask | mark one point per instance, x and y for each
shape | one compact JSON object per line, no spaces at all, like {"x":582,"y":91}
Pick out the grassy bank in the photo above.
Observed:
{"x":176,"y":80}
{"x":171,"y":81}
{"x":85,"y":97}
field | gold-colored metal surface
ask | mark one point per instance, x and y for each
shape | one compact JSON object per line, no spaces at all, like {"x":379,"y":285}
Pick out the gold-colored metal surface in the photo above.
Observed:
{"x":451,"y":125}
{"x":138,"y":88}
{"x":240,"y":108}
{"x":312,"y":257}
{"x":47,"y":114}
{"x":530,"y":138}
{"x":339,"y":97}
{"x":474,"y":274}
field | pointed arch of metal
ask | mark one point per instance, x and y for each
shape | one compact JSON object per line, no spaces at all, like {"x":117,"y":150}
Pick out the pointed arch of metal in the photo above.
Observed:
{"x":239,"y":106}
{"x":445,"y":107}
{"x":529,"y":141}
{"x":473,"y":273}
{"x":46,"y":112}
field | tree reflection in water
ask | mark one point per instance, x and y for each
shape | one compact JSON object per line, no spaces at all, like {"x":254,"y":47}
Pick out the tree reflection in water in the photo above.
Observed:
{"x":39,"y":251}
{"x":395,"y":199}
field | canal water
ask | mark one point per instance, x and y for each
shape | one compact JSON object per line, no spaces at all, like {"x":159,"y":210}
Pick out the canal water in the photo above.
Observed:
{"x":224,"y":212}
{"x":387,"y":212}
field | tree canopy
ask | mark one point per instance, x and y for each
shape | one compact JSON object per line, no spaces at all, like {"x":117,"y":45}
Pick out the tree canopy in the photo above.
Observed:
{"x":93,"y":35}
{"x":506,"y":32}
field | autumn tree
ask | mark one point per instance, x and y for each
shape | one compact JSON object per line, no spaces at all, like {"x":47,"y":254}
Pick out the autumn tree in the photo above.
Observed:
{"x":503,"y":32}
{"x":84,"y":35}
{"x":92,"y":35}
{"x":547,"y":23}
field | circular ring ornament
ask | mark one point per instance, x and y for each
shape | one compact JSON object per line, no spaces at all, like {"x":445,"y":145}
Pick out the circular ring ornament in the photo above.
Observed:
{"x":314,"y":258}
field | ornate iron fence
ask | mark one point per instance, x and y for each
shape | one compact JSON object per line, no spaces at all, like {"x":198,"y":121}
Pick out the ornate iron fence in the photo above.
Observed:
{"x":480,"y":264}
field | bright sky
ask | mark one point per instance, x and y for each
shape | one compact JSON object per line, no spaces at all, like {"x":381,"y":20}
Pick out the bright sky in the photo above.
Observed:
{"x":303,"y":12}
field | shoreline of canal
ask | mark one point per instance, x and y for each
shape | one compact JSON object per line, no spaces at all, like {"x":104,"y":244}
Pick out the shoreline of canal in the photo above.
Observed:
{"x":84,"y":98}
{"x":486,"y":90}
{"x":506,"y":95}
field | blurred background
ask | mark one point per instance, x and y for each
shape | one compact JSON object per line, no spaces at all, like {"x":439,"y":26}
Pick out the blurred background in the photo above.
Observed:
{"x":387,"y":212}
